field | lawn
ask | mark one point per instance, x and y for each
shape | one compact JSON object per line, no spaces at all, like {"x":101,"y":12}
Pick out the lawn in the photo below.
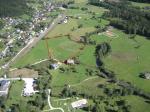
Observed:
{"x":138,"y":104}
{"x":15,"y":93}
{"x":61,"y":48}
{"x":125,"y":60}
{"x":61,"y":79}
{"x":63,"y":29}
{"x":90,"y":87}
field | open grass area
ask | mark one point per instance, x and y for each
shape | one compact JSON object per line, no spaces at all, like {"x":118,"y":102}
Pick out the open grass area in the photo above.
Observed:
{"x":141,"y":5}
{"x":138,"y":104}
{"x":15,"y":92}
{"x":126,"y":60}
{"x":61,"y":48}
{"x":68,"y":78}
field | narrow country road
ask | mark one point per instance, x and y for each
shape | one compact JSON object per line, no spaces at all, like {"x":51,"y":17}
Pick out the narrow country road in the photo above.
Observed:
{"x":50,"y":105}
{"x":90,"y":78}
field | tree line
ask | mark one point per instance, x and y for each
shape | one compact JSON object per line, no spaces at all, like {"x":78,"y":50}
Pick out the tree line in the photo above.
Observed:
{"x":141,"y":1}
{"x":124,"y":16}
{"x":13,"y":7}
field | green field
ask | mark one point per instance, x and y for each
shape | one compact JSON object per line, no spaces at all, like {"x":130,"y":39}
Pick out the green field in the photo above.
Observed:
{"x":125,"y":60}
{"x":141,"y":5}
{"x":15,"y":92}
{"x":61,"y":48}
{"x":138,"y":104}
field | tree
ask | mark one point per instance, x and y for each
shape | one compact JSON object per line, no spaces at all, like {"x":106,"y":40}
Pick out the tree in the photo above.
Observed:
{"x":102,"y":50}
{"x":99,"y":107}
{"x":66,"y":91}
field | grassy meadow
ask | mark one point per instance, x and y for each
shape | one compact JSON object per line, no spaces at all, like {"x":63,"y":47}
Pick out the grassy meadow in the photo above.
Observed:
{"x":126,"y":59}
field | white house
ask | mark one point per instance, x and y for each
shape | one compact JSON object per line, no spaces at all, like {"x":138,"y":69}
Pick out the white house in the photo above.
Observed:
{"x":79,"y":104}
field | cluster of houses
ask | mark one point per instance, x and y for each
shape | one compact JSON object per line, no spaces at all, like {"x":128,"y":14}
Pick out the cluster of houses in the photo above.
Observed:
{"x":15,"y":36}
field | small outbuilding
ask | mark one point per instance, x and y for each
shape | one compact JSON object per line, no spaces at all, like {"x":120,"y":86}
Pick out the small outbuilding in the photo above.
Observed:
{"x":54,"y":66}
{"x":4,"y":87}
{"x":147,"y":75}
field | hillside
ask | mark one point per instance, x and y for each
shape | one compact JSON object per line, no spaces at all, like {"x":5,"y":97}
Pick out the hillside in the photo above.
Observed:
{"x":13,"y":7}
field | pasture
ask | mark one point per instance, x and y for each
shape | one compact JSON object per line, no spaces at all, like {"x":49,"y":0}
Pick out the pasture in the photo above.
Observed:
{"x":126,"y":60}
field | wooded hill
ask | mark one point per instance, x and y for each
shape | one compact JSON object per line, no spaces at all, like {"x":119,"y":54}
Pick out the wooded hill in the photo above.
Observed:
{"x":13,"y":7}
{"x":124,"y":16}
{"x":142,"y":1}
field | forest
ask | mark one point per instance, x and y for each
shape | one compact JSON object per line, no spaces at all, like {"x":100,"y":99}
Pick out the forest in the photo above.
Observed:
{"x":142,"y":1}
{"x":124,"y":16}
{"x":13,"y":8}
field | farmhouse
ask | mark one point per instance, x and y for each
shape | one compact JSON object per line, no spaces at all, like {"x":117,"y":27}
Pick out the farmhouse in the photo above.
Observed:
{"x":70,"y":62}
{"x":79,"y":104}
{"x":4,"y":87}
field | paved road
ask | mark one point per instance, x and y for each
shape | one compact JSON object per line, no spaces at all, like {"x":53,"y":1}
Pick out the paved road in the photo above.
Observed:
{"x":34,"y":41}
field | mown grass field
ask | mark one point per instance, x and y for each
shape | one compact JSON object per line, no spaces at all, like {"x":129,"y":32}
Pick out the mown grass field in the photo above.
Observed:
{"x":61,"y":48}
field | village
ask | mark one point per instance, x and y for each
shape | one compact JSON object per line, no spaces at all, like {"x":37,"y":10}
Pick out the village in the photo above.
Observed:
{"x":17,"y":37}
